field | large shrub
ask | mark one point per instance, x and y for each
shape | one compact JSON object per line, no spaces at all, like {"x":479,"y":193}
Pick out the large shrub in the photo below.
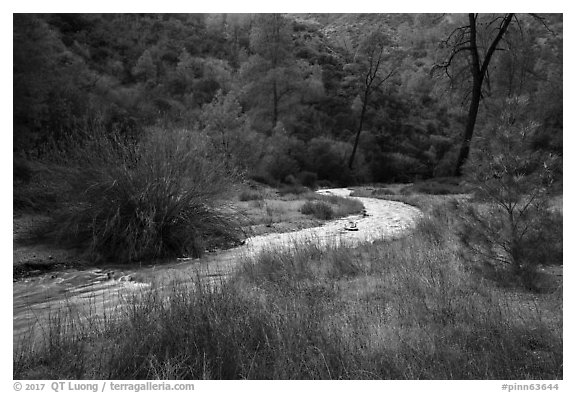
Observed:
{"x":154,"y":198}
{"x":511,"y":181}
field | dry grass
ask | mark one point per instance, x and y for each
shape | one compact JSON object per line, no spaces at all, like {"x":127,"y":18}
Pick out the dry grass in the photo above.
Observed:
{"x":271,"y":211}
{"x":318,"y":209}
{"x":406,"y":309}
{"x":340,"y":206}
{"x":435,"y":186}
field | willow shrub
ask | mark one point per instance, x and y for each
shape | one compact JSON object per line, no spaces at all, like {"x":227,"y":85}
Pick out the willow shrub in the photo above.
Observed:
{"x":153,"y":198}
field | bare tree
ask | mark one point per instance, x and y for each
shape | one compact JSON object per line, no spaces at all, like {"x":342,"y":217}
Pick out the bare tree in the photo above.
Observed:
{"x":466,"y":40}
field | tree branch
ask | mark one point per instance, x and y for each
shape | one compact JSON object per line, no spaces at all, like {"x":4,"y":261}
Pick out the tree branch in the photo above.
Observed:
{"x":504,"y":26}
{"x":461,"y":29}
{"x":390,"y":74}
{"x":474,"y":46}
{"x":542,"y":20}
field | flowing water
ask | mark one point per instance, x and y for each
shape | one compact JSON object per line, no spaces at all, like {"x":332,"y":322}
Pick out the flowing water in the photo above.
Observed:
{"x":97,"y":292}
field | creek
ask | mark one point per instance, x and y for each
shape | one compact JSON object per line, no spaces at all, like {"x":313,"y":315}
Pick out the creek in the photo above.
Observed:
{"x":97,"y":292}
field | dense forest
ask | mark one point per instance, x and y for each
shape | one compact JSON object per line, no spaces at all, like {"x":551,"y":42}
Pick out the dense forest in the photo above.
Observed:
{"x":344,"y":98}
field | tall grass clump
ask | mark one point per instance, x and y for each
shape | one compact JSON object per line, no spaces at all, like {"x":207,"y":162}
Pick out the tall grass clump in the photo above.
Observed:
{"x":326,"y":207}
{"x":348,"y":206}
{"x":318,"y":209}
{"x":134,"y":200}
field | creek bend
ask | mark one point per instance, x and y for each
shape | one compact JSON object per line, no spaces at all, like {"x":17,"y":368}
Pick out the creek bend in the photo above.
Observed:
{"x":96,"y":292}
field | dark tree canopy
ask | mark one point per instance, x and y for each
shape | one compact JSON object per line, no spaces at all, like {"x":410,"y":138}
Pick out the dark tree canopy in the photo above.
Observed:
{"x":354,"y":88}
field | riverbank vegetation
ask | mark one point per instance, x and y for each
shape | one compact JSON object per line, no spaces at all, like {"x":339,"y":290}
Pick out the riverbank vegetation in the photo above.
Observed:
{"x":169,"y":194}
{"x":279,"y":99}
{"x":411,"y":308}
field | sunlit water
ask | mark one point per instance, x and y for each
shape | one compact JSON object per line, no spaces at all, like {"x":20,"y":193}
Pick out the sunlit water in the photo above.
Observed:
{"x":97,"y":292}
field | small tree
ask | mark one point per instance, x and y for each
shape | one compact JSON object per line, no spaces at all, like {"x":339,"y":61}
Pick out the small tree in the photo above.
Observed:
{"x":377,"y":62}
{"x":145,"y":67}
{"x":270,"y":39}
{"x":513,"y":181}
{"x":229,"y":129}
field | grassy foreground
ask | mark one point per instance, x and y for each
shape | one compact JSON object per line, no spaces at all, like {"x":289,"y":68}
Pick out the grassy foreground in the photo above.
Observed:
{"x":406,"y":309}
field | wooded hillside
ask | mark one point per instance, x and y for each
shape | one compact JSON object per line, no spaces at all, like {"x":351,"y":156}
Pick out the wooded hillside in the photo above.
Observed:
{"x":286,"y":97}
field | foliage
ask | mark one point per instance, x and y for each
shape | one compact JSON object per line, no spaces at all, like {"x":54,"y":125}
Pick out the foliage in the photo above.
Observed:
{"x":438,"y":186}
{"x":22,"y":173}
{"x":308,"y":179}
{"x":153,"y":199}
{"x":241,"y":77}
{"x":274,"y":81}
{"x":42,"y":193}
{"x":375,"y":65}
{"x":383,"y":191}
{"x":145,"y":67}
{"x":327,"y":158}
{"x":229,"y":129}
{"x":281,"y":155}
{"x":513,"y":180}
{"x":263,"y":178}
{"x":477,"y":41}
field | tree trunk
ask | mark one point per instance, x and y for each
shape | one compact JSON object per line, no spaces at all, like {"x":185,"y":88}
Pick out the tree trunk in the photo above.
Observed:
{"x":470,"y":123}
{"x":275,"y":104}
{"x":364,"y":104}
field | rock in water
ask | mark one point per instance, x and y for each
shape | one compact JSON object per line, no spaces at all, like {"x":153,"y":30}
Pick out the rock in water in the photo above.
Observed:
{"x":351,"y":226}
